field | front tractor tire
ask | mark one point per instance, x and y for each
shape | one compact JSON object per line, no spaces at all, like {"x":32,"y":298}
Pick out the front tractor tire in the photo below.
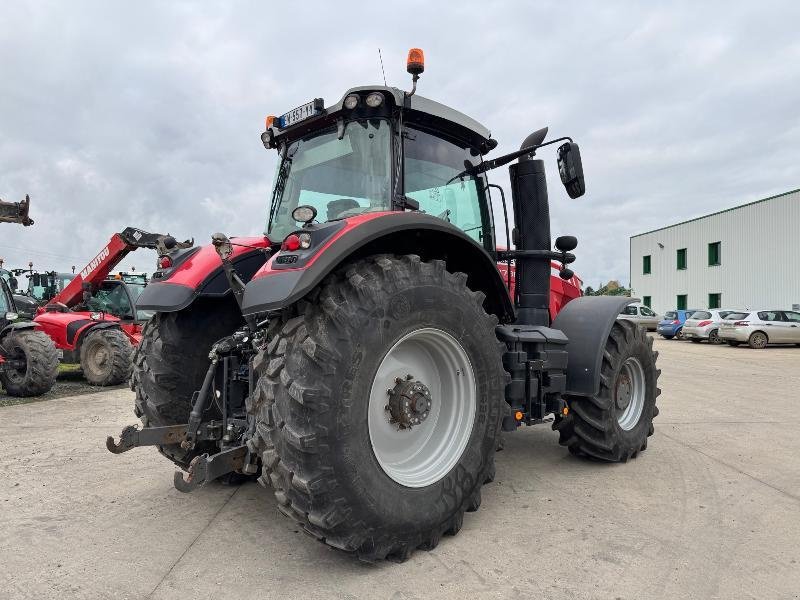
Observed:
{"x":38,"y":353}
{"x":106,"y":357}
{"x":614,"y":424}
{"x":378,"y":405}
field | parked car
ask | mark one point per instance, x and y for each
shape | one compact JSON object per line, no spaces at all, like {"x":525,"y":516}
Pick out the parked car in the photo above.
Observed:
{"x":671,"y":326}
{"x":761,"y":327}
{"x":704,"y":325}
{"x":641,"y":315}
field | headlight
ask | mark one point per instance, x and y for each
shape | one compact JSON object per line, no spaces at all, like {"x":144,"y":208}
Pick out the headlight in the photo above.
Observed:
{"x":374,"y":99}
{"x":96,"y":316}
{"x":305,"y":240}
{"x":351,"y":102}
{"x":304,"y":214}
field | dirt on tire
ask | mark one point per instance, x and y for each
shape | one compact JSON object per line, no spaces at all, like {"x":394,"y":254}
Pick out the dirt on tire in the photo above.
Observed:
{"x":41,"y":360}
{"x":106,"y":357}
{"x":312,"y":397}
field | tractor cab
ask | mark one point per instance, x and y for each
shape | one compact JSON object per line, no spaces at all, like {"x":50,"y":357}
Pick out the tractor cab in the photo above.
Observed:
{"x":380,"y":149}
{"x":7,"y":307}
{"x":43,"y":287}
{"x":117,"y":296}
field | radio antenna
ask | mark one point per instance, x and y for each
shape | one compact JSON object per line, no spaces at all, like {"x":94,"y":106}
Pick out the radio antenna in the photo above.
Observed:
{"x":382,"y":71}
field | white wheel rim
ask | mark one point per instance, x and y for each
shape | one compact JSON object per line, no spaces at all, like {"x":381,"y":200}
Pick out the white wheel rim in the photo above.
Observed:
{"x":424,"y":453}
{"x":629,"y":393}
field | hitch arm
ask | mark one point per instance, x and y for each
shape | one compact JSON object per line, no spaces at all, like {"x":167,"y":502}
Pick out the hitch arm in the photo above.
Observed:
{"x":132,"y":437}
{"x":205,"y":468}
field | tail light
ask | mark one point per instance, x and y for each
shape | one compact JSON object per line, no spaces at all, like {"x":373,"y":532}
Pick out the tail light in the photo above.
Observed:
{"x":676,"y":322}
{"x":741,"y":323}
{"x":703,"y":323}
{"x":164,"y":262}
{"x":291,"y":243}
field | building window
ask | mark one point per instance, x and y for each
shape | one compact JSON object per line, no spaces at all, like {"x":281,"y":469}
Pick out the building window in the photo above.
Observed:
{"x":681,"y":301}
{"x":715,"y":254}
{"x":646,"y":265}
{"x":681,"y":259}
{"x":646,"y":301}
{"x":714,"y":300}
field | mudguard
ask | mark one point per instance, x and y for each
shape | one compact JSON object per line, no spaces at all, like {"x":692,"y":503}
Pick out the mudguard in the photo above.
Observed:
{"x":288,"y":276}
{"x":200,"y":274}
{"x":587,"y":321}
{"x":16,"y":327}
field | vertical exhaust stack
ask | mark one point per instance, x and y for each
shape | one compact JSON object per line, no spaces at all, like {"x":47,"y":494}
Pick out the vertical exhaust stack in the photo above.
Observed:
{"x":531,"y":233}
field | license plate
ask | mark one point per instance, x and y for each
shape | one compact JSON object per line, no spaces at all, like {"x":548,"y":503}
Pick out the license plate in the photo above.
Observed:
{"x":301,"y":113}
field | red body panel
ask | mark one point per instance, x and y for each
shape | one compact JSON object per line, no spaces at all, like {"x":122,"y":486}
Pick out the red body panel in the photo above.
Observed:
{"x":195,"y":269}
{"x":561,"y":291}
{"x":56,"y":324}
{"x":352,"y":223}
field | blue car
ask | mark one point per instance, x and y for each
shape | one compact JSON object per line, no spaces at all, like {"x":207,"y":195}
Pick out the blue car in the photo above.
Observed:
{"x":672,"y":324}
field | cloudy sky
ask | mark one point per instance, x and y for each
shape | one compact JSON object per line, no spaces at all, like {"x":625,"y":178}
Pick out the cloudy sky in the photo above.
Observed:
{"x":149,"y":114}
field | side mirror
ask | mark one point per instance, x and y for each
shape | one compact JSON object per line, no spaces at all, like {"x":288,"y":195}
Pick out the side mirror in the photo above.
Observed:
{"x":566,"y":243}
{"x":570,"y":168}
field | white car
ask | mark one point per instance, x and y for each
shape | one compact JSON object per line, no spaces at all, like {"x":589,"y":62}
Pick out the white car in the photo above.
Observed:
{"x":704,"y":325}
{"x":761,"y":327}
{"x":641,"y":315}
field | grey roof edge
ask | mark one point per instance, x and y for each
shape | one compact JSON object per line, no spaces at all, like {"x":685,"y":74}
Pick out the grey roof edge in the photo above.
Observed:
{"x":719,"y":212}
{"x":421,"y":104}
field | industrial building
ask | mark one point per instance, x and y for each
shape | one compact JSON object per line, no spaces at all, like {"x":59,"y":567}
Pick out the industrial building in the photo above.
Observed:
{"x":743,"y":257}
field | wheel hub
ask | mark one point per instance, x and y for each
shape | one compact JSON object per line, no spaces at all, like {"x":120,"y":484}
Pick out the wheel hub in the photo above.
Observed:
{"x":624,"y":391}
{"x":409,"y":402}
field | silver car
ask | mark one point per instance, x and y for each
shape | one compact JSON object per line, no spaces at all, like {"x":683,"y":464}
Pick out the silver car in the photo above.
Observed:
{"x":704,"y":325}
{"x":761,"y":327}
{"x":641,"y":315}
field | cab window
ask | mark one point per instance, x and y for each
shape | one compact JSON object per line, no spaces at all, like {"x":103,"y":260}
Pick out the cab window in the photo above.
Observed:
{"x":113,"y":299}
{"x":431,"y":164}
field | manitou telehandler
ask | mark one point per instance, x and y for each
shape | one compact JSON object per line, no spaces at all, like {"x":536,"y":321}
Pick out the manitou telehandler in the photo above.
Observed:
{"x":28,"y":359}
{"x":366,"y":369}
{"x":94,"y":320}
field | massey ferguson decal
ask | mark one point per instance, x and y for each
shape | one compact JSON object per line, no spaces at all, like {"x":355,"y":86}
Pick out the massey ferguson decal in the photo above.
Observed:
{"x":95,"y":262}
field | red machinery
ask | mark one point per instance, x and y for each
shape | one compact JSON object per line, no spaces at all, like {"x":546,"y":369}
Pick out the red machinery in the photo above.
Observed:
{"x":101,"y":342}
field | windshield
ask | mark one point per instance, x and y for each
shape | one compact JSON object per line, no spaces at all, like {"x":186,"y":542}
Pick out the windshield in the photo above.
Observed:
{"x":339,"y":177}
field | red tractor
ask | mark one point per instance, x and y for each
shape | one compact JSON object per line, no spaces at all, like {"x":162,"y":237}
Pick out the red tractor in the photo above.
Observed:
{"x":28,"y":359}
{"x":94,"y":320}
{"x":364,"y":355}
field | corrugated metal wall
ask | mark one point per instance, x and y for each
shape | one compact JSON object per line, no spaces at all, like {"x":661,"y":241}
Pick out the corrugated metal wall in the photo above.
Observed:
{"x":760,"y":258}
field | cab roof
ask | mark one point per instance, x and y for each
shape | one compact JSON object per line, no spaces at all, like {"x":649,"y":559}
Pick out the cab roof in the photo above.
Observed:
{"x":419,"y":110}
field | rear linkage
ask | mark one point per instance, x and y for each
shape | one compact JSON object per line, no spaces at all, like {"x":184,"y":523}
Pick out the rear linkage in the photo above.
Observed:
{"x":232,"y":433}
{"x":232,"y":355}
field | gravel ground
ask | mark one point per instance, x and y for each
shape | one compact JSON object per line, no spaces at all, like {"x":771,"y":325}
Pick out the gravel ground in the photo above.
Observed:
{"x":710,"y":510}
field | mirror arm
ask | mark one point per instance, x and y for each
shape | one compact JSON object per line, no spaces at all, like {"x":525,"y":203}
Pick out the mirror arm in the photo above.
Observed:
{"x":488,"y":165}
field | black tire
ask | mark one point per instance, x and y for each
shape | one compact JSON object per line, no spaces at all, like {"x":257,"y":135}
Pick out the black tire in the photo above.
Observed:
{"x":171,"y":362}
{"x":713,"y":337}
{"x":758,"y":340}
{"x":591,"y":428}
{"x":106,"y":357}
{"x":312,"y":396}
{"x":733,"y":343}
{"x":41,"y":363}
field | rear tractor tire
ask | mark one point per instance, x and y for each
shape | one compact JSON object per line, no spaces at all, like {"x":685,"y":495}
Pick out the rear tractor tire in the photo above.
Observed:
{"x":378,"y":406}
{"x":106,"y":357}
{"x":39,"y":354}
{"x":614,"y":424}
{"x":171,"y":362}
